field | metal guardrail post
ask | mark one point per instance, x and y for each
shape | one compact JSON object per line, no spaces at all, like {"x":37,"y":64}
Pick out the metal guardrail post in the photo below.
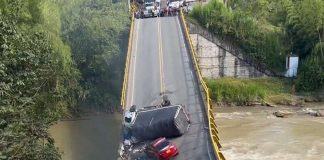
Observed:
{"x":211,"y":119}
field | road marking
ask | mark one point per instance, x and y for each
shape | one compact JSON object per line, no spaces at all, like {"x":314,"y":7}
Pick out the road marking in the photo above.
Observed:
{"x":134,"y":63}
{"x":191,"y":72}
{"x":162,"y":86}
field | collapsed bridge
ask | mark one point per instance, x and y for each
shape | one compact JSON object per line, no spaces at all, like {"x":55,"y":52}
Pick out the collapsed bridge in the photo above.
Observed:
{"x":161,"y":61}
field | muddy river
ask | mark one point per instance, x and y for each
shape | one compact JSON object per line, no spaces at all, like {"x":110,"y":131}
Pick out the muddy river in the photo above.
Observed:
{"x":246,"y":133}
{"x":92,"y":137}
{"x":254,"y":133}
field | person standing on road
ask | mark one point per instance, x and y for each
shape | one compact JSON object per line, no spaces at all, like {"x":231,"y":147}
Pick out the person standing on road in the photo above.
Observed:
{"x":165,"y":101}
{"x":167,"y":10}
{"x":155,"y":10}
{"x":171,"y":11}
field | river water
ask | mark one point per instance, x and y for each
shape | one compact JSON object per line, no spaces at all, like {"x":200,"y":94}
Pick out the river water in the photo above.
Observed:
{"x":253,"y":133}
{"x":92,"y":137}
{"x":246,"y":133}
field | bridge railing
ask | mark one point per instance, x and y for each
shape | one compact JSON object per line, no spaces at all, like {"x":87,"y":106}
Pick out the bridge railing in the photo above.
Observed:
{"x":127,"y":63}
{"x":213,"y":132}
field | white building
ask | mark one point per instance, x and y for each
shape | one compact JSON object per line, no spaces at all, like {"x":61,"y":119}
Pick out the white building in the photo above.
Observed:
{"x":291,"y":65}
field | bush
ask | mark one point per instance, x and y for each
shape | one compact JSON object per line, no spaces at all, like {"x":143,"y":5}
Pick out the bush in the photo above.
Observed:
{"x":311,"y":77}
{"x":245,"y":91}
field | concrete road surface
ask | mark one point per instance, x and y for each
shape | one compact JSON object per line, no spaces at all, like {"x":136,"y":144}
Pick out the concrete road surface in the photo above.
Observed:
{"x":160,"y":63}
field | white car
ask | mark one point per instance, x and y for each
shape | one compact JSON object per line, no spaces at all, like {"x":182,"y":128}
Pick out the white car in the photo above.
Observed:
{"x":176,"y":4}
{"x":149,"y":5}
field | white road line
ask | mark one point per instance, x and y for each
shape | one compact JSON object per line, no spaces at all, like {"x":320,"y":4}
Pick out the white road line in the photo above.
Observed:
{"x":160,"y":44}
{"x":134,"y":62}
{"x":191,"y":72}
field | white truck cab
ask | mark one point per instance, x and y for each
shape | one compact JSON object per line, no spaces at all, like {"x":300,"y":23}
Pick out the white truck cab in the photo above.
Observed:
{"x":130,"y":116}
{"x":150,"y":9}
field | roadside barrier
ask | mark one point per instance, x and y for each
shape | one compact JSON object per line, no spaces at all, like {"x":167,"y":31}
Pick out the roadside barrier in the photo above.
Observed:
{"x":211,"y":119}
{"x":126,"y":72}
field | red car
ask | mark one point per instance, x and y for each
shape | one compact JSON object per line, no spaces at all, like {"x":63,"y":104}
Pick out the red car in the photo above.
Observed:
{"x":161,"y":149}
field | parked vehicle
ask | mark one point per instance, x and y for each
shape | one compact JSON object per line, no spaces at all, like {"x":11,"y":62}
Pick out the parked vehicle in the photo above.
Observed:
{"x":150,"y":9}
{"x":176,"y":4}
{"x":161,"y":149}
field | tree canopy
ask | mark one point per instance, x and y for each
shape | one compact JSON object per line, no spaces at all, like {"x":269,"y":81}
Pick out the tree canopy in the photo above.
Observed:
{"x":54,"y":56}
{"x":268,"y":30}
{"x":96,"y":31}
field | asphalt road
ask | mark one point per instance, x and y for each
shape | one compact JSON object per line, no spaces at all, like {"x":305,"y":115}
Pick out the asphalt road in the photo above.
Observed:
{"x":160,"y":63}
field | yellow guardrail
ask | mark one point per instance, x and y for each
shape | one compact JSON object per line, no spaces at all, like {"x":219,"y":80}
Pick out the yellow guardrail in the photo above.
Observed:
{"x":211,"y":119}
{"x":126,"y":72}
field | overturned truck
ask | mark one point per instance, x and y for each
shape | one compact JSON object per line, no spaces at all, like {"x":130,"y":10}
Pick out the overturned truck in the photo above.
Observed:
{"x":168,"y":121}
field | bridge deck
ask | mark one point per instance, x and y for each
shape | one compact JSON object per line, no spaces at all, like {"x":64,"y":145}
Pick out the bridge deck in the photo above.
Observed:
{"x":159,"y":63}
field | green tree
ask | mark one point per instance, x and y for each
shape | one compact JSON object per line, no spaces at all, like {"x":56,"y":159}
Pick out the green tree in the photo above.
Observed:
{"x":247,"y":26}
{"x":305,"y":26}
{"x":267,"y":30}
{"x":38,"y":80}
{"x":28,"y":97}
{"x":96,"y":31}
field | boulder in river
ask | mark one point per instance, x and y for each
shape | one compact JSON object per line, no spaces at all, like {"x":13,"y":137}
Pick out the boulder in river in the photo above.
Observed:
{"x":270,"y":104}
{"x":320,"y":113}
{"x":311,"y":112}
{"x":282,"y":114}
{"x":316,"y":113}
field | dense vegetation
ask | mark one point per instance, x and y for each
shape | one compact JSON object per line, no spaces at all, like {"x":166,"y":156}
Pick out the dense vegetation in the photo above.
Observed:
{"x":268,"y":30}
{"x":96,"y":31}
{"x":55,"y":55}
{"x":249,"y":91}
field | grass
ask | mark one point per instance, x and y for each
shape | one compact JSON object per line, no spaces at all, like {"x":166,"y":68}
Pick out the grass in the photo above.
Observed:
{"x":249,"y":91}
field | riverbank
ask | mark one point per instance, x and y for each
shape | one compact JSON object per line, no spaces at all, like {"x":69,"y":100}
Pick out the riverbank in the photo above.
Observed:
{"x":258,"y":91}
